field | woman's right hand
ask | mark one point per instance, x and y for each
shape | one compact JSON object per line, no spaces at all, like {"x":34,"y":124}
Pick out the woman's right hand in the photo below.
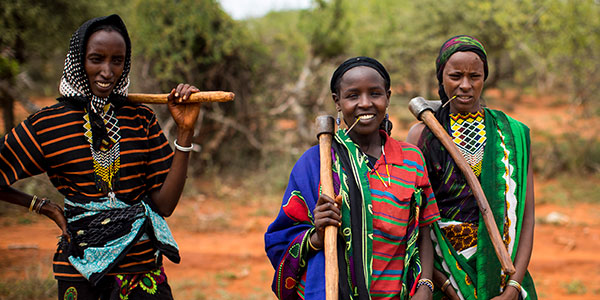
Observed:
{"x":326,"y":213}
{"x":55,"y":212}
{"x":183,"y":112}
{"x":451,"y":293}
{"x":439,"y":279}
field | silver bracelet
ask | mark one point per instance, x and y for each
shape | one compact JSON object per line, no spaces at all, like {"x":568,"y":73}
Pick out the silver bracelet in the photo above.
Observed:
{"x":183,"y":149}
{"x":38,"y":207}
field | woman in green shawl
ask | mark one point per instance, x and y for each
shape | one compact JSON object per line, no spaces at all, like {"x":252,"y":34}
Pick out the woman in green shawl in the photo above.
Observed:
{"x":497,"y":148}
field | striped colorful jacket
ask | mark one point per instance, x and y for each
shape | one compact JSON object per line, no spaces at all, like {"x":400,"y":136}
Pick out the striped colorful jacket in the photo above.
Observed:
{"x":52,"y":141}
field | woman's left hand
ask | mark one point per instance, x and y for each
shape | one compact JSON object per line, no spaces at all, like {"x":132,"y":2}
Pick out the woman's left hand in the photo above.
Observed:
{"x":56,"y":214}
{"x":510,"y":293}
{"x":184,"y":113}
{"x":423,"y":293}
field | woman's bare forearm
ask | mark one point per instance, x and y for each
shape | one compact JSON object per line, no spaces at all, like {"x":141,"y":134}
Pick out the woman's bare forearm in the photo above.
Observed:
{"x":11,"y":195}
{"x":167,"y":198}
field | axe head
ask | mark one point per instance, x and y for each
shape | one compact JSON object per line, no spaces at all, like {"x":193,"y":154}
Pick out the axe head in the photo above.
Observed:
{"x":325,"y":124}
{"x":418,"y":105}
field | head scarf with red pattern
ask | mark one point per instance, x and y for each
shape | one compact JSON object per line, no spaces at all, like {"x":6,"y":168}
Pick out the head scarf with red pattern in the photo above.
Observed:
{"x":453,"y":45}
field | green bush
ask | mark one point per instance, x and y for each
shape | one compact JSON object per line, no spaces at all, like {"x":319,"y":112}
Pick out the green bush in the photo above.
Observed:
{"x":575,"y":287}
{"x":568,"y":153}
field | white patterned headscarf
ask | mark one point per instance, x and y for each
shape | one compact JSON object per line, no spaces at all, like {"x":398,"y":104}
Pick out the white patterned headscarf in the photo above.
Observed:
{"x":74,"y":82}
{"x":101,"y":125}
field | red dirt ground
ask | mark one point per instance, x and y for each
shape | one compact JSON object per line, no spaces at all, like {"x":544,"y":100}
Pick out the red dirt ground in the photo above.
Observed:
{"x":229,"y":263}
{"x":222,"y":250}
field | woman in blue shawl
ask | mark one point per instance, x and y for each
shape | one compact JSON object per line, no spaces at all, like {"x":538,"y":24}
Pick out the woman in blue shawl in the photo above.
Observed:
{"x":384,"y":248}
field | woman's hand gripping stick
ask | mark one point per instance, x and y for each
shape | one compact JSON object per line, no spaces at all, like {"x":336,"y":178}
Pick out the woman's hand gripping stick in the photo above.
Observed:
{"x":325,"y":129}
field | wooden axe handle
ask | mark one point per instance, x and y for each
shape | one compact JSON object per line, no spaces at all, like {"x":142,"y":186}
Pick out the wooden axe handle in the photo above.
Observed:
{"x":331,"y":263}
{"x":217,"y":96}
{"x":488,"y":218}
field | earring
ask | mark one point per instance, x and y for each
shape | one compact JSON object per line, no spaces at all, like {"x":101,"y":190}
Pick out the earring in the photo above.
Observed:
{"x":338,"y":121}
{"x":387,"y":121}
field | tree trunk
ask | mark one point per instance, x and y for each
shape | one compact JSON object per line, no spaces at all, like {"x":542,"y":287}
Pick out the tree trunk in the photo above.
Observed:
{"x":8,"y":104}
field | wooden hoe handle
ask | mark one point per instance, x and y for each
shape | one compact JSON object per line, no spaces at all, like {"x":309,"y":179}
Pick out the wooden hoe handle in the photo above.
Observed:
{"x":325,"y":126}
{"x":426,"y":115}
{"x":195,"y":97}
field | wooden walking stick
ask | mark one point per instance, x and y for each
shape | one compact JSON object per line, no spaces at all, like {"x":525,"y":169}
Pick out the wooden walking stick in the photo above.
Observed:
{"x":423,"y":110}
{"x":325,"y":128}
{"x":217,"y":96}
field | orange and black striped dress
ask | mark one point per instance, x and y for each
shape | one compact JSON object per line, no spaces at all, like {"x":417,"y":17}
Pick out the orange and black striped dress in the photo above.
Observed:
{"x":52,"y":141}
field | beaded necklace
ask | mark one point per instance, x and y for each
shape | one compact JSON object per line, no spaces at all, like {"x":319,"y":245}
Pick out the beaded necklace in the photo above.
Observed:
{"x":369,"y":162}
{"x":370,"y":165}
{"x":468,"y":133}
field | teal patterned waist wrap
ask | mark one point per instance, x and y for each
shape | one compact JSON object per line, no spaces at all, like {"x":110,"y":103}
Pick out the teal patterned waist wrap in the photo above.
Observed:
{"x":102,"y":232}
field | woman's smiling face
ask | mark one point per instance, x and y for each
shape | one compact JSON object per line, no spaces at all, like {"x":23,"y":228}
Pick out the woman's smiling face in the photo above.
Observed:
{"x":104,"y":61}
{"x":362,"y":94}
{"x":463,"y":77}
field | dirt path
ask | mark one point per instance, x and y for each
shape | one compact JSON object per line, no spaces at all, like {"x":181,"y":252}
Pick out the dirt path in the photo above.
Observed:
{"x":229,"y":262}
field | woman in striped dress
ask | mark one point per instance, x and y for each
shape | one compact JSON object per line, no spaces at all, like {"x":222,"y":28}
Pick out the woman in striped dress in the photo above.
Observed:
{"x":384,"y":249}
{"x":497,"y":148}
{"x":115,"y":168}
